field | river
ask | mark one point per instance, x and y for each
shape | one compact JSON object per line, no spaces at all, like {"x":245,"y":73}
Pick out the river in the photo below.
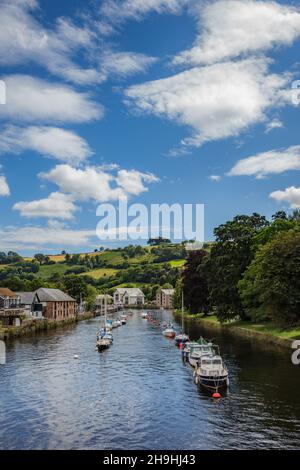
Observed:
{"x":140,"y":395}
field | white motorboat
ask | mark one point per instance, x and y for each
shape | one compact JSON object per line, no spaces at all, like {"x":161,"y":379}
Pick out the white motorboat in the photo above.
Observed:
{"x":202,"y":349}
{"x":144,"y":314}
{"x":211,"y":373}
{"x":169,"y":331}
{"x":124,"y":319}
{"x":116,"y":323}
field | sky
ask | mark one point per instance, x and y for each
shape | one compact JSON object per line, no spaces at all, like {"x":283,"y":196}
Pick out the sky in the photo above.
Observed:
{"x":156,"y":101}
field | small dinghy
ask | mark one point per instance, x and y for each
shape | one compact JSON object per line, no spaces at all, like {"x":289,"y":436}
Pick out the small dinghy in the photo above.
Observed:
{"x":144,"y":314}
{"x":124,"y":319}
{"x":211,"y":373}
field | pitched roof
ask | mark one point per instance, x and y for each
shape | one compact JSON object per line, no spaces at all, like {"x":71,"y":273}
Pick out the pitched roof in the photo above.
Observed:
{"x":5,"y":292}
{"x":53,"y":295}
{"x":27,"y":298}
{"x":129,"y":290}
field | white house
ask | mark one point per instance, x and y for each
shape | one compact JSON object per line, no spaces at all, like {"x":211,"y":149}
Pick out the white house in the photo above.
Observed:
{"x":129,"y":296}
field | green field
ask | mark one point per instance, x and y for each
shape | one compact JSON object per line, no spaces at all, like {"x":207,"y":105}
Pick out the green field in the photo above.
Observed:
{"x":100,"y":273}
{"x":47,"y":270}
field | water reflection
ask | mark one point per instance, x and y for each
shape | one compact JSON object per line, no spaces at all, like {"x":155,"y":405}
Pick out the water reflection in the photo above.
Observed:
{"x":140,"y":395}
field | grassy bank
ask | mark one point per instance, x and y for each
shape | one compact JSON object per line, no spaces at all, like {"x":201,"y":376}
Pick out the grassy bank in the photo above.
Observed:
{"x":263,"y":332}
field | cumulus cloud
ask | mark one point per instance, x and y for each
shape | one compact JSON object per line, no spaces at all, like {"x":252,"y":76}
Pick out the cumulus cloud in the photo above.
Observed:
{"x":96,"y":184}
{"x":32,"y":99}
{"x":290,"y":195}
{"x":216,"y":101}
{"x":231,"y":28}
{"x":51,"y":142}
{"x":268,"y":163}
{"x":56,"y":205}
{"x":132,"y":182}
{"x":4,"y":188}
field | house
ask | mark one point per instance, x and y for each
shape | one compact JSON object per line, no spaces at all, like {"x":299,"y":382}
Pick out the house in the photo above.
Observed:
{"x":27,"y":302}
{"x":54,"y":304}
{"x":129,"y":296}
{"x":8,"y":298}
{"x":164,"y":298}
{"x":11,"y":313}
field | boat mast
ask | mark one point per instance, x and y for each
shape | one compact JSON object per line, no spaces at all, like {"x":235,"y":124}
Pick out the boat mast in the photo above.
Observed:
{"x":105,"y":308}
{"x":182,"y":311}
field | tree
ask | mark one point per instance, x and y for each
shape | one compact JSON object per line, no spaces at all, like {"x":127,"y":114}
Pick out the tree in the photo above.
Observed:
{"x":195,"y":283}
{"x":76,"y":287}
{"x":230,"y":255}
{"x":270,"y":288}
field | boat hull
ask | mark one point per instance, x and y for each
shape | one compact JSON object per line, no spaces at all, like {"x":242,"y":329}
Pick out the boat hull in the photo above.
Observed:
{"x":169,"y":335}
{"x":212,"y":383}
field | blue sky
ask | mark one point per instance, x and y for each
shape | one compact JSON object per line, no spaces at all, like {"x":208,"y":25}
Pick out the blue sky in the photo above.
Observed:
{"x":161,"y":101}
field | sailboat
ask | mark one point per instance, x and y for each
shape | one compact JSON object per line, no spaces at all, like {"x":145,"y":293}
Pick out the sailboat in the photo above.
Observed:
{"x":182,"y":338}
{"x":104,"y":337}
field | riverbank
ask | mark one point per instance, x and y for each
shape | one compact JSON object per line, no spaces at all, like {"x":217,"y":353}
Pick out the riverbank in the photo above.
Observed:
{"x":266,"y":333}
{"x":39,"y":325}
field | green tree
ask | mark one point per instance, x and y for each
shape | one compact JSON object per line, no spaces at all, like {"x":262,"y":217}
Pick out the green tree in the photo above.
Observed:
{"x":194,"y":283}
{"x":271,"y":285}
{"x":230,"y":255}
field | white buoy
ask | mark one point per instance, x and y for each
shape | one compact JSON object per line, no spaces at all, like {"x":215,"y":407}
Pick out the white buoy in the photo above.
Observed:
{"x":75,"y":356}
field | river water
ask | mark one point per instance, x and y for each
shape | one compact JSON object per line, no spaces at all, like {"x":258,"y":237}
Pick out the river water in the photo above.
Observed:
{"x":140,"y":395}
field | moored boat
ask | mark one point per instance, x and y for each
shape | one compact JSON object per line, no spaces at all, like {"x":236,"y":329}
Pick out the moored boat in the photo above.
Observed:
{"x":116,"y":323}
{"x":169,"y":331}
{"x":182,"y":338}
{"x":203,"y":348}
{"x":211,"y":373}
{"x":144,"y":314}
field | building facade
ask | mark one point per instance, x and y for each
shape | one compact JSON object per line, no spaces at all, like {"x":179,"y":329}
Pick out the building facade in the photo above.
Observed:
{"x":129,"y":297}
{"x":164,"y":298}
{"x":54,"y":304}
{"x":11,"y":312}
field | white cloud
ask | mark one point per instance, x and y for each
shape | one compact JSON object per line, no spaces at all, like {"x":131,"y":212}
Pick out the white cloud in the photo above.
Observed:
{"x":124,"y":64}
{"x":34,"y":237}
{"x":274,"y":124}
{"x":290,"y":195}
{"x":56,"y":205}
{"x":215,"y":178}
{"x":24,"y":39}
{"x":118,"y":11}
{"x":4,"y":188}
{"x":268,"y":163}
{"x":49,"y":141}
{"x":216,"y":101}
{"x":32,"y":99}
{"x":133,"y":181}
{"x":230,"y":28}
{"x":96,"y":184}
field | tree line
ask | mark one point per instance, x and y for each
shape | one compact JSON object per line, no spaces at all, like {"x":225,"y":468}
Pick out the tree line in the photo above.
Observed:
{"x":252,"y":271}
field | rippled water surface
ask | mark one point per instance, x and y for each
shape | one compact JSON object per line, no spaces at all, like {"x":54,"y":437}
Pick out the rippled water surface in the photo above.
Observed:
{"x":140,"y":395}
